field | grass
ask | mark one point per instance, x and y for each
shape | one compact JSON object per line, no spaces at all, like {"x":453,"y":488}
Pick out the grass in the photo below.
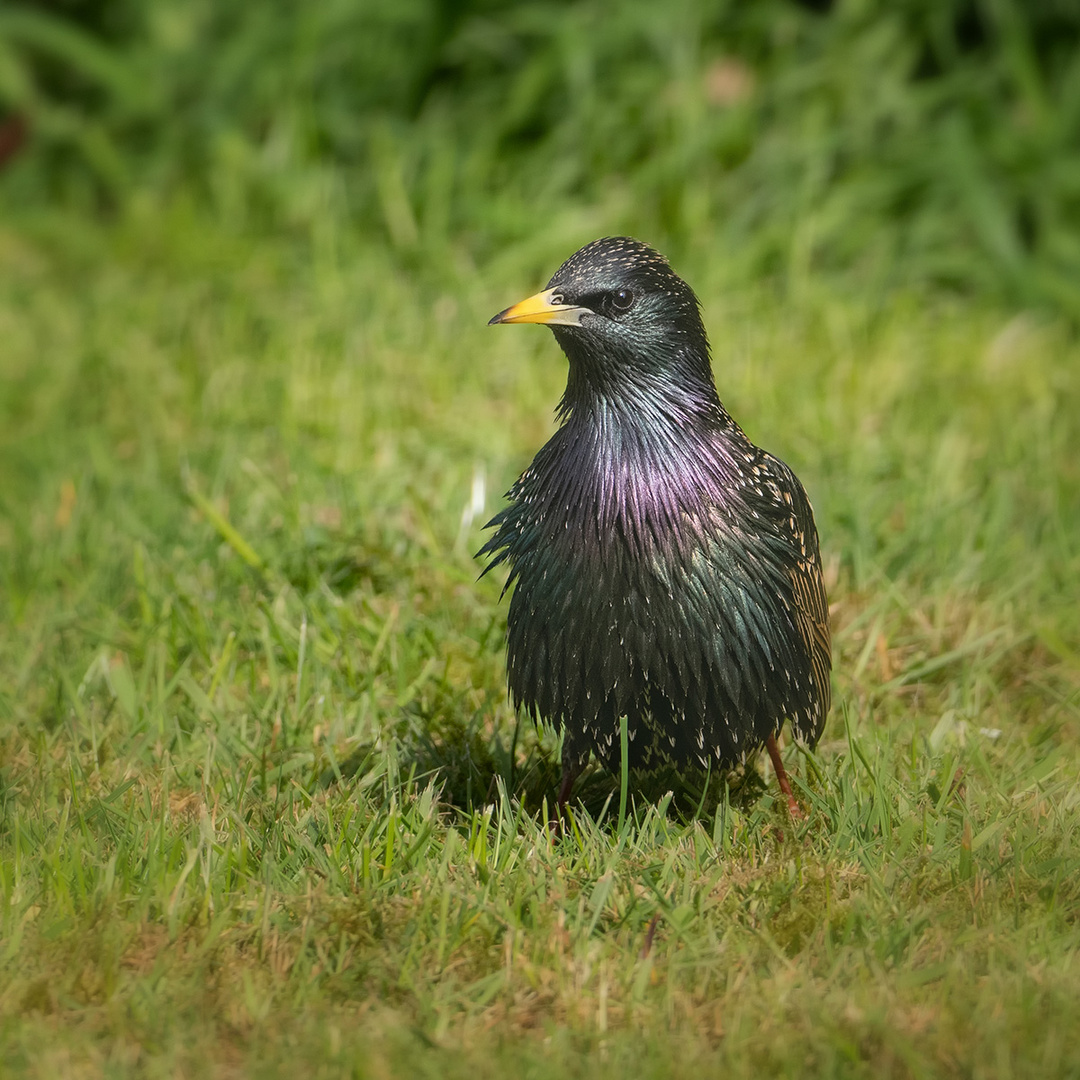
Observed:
{"x":892,"y":141}
{"x":263,"y":805}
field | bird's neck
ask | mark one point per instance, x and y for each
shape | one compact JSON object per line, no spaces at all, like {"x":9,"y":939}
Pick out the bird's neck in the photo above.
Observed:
{"x":659,"y":397}
{"x":637,"y":452}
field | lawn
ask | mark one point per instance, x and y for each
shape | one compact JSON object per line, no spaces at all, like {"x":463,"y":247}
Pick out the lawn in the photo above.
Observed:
{"x":264,"y":808}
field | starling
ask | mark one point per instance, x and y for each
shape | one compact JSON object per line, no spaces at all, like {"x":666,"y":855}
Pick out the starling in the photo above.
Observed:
{"x":665,"y":569}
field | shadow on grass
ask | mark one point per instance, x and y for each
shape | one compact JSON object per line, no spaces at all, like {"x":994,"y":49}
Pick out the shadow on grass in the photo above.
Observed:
{"x":467,"y":763}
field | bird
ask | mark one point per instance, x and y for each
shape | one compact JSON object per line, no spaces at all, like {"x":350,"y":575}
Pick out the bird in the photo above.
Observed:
{"x":665,"y":571}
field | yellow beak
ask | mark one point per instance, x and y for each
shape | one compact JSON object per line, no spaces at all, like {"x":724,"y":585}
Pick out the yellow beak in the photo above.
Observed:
{"x":544,"y":307}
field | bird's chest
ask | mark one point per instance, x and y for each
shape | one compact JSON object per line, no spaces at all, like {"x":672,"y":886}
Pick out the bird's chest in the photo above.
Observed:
{"x":601,"y":572}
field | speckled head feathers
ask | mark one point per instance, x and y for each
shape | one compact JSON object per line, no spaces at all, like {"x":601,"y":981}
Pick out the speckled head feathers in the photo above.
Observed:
{"x":615,"y":259}
{"x":620,"y":264}
{"x":629,"y":325}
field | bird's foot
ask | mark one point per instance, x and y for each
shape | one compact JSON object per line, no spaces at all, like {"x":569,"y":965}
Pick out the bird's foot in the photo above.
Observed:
{"x":796,"y":812}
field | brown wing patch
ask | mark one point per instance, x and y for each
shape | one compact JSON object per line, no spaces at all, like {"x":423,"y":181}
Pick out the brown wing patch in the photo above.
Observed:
{"x":812,"y":619}
{"x":808,"y":590}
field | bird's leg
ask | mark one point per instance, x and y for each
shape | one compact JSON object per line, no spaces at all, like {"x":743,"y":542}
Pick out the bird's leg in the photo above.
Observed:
{"x":647,"y":946}
{"x":570,"y":772}
{"x":794,"y":809}
{"x":569,"y":775}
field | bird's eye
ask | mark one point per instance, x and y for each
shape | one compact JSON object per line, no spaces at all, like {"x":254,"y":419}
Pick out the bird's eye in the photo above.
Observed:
{"x":621,"y":300}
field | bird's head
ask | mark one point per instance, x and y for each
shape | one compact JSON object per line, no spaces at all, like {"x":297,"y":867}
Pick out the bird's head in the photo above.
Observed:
{"x":624,"y":318}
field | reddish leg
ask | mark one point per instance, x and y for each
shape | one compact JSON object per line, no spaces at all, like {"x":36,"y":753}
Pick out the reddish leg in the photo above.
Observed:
{"x":794,"y":809}
{"x":647,"y":946}
{"x":569,"y":774}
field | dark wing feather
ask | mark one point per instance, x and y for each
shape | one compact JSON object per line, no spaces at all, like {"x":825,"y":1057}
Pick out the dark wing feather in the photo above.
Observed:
{"x":807,"y":587}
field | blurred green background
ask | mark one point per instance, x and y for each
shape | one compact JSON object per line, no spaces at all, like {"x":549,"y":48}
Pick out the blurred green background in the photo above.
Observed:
{"x":917,"y":141}
{"x":253,"y":719}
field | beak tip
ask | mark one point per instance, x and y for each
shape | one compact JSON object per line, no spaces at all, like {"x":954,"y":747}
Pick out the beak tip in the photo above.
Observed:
{"x":495,"y":319}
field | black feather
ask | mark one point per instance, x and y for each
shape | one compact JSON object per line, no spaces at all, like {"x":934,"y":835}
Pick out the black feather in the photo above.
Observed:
{"x":664,"y":568}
